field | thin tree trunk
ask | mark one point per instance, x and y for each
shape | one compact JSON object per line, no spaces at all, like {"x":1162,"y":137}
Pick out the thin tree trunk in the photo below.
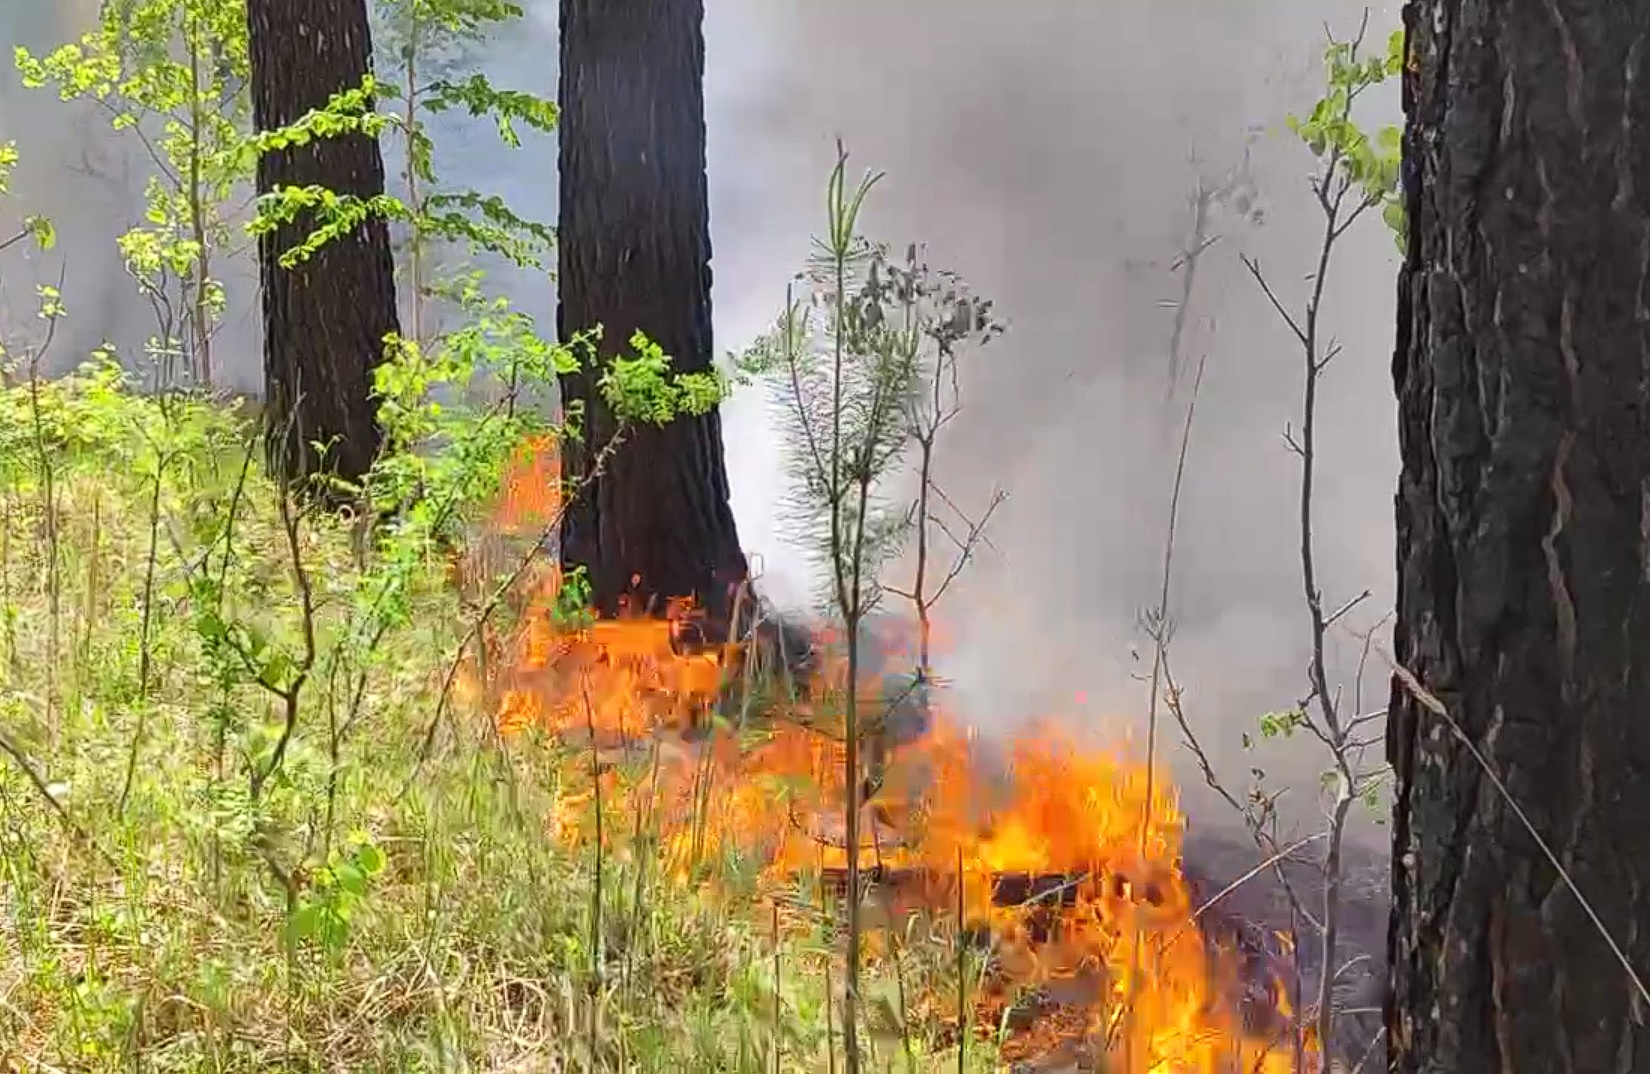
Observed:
{"x":325,"y":319}
{"x":635,"y":254}
{"x":1523,"y":380}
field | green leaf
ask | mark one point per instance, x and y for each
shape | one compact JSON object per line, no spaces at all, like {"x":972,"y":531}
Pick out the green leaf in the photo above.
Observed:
{"x":370,"y":859}
{"x":306,"y":922}
{"x":1281,"y":724}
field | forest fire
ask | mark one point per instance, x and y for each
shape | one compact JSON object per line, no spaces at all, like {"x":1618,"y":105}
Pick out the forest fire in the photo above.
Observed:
{"x":1068,"y":860}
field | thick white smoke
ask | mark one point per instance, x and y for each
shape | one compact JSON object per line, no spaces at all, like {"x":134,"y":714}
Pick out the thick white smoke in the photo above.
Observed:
{"x":1047,"y":150}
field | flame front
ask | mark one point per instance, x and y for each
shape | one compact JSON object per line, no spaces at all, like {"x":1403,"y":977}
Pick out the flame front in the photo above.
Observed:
{"x":1105,"y":916}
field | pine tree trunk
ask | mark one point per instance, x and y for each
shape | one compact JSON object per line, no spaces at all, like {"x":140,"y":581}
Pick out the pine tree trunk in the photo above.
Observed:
{"x":634,"y":239}
{"x":325,"y":318}
{"x":1523,"y":380}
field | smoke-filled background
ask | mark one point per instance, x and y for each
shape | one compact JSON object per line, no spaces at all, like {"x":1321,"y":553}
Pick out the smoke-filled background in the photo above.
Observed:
{"x":1046,"y":150}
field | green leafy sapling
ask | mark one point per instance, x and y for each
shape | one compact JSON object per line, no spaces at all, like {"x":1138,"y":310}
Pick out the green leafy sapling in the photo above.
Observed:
{"x":843,"y":401}
{"x":173,"y":74}
{"x":430,"y":51}
{"x":862,"y":364}
{"x":1355,"y":173}
{"x":338,"y":888}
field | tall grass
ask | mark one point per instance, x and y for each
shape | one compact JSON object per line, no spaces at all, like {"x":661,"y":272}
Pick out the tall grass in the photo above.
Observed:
{"x":181,"y":891}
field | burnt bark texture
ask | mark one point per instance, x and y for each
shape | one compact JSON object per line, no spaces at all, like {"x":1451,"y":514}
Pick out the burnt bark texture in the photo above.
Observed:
{"x":634,"y":232}
{"x":1522,"y":372}
{"x":326,"y":317}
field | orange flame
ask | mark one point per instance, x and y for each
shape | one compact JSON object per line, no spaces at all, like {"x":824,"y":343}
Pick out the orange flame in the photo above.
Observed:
{"x":1115,"y":925}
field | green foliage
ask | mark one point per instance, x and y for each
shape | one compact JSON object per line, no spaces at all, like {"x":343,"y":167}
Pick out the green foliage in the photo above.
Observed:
{"x":484,"y":222}
{"x":852,"y":362}
{"x":480,"y":97}
{"x":48,"y":310}
{"x":337,"y":890}
{"x":174,"y":73}
{"x":91,"y":419}
{"x":349,"y":111}
{"x":640,"y":389}
{"x":330,"y":216}
{"x":1282,"y":724}
{"x":327,"y":214}
{"x":1368,"y":164}
{"x":445,"y":445}
{"x":171,"y":72}
{"x":284,"y":884}
{"x":431,"y":45}
{"x":36,"y":227}
{"x":438,"y":35}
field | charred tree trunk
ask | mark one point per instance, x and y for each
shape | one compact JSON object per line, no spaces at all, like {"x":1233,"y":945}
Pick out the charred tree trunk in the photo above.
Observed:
{"x":635,"y":255}
{"x":1523,"y":380}
{"x":326,"y":317}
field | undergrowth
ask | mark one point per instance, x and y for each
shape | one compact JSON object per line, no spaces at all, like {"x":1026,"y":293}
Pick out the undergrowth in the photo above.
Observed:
{"x":254,"y":814}
{"x":190,"y":882}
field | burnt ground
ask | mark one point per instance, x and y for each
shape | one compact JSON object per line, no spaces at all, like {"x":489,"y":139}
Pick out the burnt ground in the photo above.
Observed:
{"x":1247,"y":920}
{"x":1253,"y":913}
{"x":1249,"y":917}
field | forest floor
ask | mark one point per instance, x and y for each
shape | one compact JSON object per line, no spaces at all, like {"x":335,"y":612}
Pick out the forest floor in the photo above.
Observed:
{"x":248,"y":824}
{"x":196,"y":876}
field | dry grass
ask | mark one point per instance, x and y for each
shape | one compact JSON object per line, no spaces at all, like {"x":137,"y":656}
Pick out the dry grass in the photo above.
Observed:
{"x":366,"y":908}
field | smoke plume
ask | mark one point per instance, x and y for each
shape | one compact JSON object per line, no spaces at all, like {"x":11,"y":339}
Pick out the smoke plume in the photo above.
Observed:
{"x":1046,"y":150}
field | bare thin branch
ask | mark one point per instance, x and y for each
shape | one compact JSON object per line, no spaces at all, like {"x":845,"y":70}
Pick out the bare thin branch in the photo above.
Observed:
{"x":1271,"y":296}
{"x":21,"y":759}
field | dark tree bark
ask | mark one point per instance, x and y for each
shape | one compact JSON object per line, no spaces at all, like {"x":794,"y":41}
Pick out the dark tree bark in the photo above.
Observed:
{"x":325,"y":319}
{"x":1523,"y":380}
{"x":634,"y":241}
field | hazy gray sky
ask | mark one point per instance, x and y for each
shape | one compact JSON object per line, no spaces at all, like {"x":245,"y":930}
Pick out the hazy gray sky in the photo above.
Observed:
{"x":1044,"y":149}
